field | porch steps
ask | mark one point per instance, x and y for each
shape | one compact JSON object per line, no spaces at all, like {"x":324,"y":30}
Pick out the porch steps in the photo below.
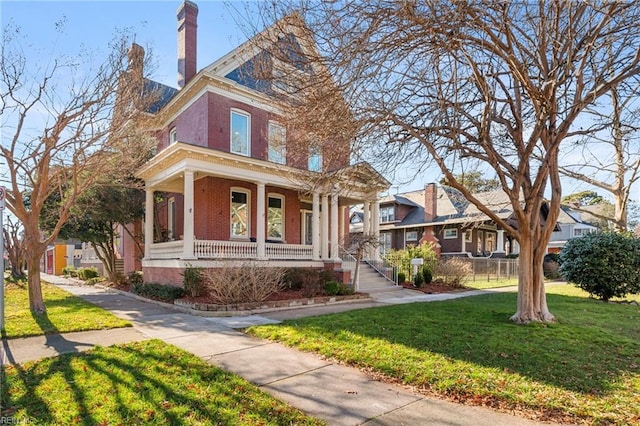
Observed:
{"x":371,"y":280}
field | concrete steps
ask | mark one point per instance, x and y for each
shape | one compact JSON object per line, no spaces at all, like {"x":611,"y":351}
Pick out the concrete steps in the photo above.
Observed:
{"x":371,"y":280}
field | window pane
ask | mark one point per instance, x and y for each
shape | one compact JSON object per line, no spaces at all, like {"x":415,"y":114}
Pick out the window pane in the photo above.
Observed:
{"x":239,"y":214}
{"x":315,"y":160}
{"x":239,"y":133}
{"x":274,"y":218}
{"x":277,"y":143}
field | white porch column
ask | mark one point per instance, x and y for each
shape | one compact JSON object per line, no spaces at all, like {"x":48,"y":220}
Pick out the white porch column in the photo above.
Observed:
{"x":261,"y":220}
{"x":315,"y":226}
{"x":148,"y":222}
{"x":335,"y":253}
{"x":464,"y":242}
{"x":188,"y":226}
{"x":366,"y":220}
{"x":366,"y":226}
{"x":500,"y":242}
{"x":324,"y":237}
{"x":376,"y":227}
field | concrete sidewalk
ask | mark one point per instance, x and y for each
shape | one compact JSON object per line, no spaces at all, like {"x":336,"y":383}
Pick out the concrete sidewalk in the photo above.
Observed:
{"x":338,"y":394}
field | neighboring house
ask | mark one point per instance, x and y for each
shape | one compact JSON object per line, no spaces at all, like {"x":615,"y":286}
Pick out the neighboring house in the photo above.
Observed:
{"x":442,"y":216}
{"x":59,"y":255}
{"x":572,"y":225}
{"x":228,"y":184}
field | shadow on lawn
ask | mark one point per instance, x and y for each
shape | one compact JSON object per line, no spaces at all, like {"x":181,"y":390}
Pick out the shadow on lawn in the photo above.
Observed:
{"x":589,"y":348}
{"x":137,"y":383}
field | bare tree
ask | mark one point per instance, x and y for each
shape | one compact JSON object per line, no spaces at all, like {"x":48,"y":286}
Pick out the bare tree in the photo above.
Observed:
{"x":609,"y":156}
{"x":502,"y":84}
{"x":65,"y":125}
{"x":359,"y":244}
{"x":14,"y":245}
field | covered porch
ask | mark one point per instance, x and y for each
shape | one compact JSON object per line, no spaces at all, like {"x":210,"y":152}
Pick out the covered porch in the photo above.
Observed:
{"x":226,"y":207}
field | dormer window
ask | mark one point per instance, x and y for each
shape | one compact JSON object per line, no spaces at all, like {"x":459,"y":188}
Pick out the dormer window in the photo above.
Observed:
{"x":173,"y":138}
{"x":240,"y":125}
{"x":387,"y":214}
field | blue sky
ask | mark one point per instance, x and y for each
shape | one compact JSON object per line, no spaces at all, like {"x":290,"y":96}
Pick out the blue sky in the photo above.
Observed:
{"x":91,"y":25}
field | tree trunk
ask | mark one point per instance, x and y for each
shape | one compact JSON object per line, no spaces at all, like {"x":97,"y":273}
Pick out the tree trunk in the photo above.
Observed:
{"x":532,"y":298}
{"x":36,"y":302}
{"x":106,"y":254}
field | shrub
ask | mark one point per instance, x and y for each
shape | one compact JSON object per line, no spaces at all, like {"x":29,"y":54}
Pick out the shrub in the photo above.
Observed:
{"x":312,"y":283}
{"x":293,"y":278}
{"x":402,"y":258}
{"x":70,"y":271}
{"x":134,"y":277}
{"x":95,"y":280}
{"x":551,"y":269}
{"x":427,"y":276}
{"x":401,"y":277}
{"x":244,"y":284}
{"x":605,"y":265}
{"x":87,"y":273}
{"x":453,"y":271}
{"x":192,"y":280}
{"x":163,"y":292}
{"x":418,"y":280}
{"x":332,"y":288}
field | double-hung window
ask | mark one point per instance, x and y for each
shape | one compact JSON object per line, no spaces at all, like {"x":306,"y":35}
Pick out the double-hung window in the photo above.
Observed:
{"x":275,"y":214}
{"x":240,"y":137}
{"x":387,"y":214}
{"x":277,"y":143}
{"x":173,"y":136}
{"x":240,"y":217}
{"x":315,"y":159}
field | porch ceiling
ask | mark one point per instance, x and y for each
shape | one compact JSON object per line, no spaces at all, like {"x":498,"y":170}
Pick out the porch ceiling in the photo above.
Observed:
{"x":165,"y":172}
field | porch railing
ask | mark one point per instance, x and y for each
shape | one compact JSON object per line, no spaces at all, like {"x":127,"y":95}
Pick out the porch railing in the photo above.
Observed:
{"x":166,"y":250}
{"x":211,"y":249}
{"x":288,"y":251}
{"x":208,"y":249}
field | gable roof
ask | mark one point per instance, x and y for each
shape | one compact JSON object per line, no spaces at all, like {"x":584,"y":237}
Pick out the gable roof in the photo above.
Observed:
{"x":451,"y":207}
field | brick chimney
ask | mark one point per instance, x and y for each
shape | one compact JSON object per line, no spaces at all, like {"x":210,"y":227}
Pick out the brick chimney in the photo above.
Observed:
{"x":187,"y":42}
{"x":430,"y":202}
{"x":135,"y":67}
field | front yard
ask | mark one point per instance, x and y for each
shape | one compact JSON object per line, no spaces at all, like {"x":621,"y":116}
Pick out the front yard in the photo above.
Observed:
{"x":138,"y":383}
{"x":584,"y":368}
{"x":65,"y":313}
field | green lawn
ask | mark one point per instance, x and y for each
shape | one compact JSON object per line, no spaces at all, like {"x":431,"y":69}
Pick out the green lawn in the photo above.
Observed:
{"x":65,"y":313}
{"x":585,"y":367}
{"x":482,"y":283}
{"x":138,"y":383}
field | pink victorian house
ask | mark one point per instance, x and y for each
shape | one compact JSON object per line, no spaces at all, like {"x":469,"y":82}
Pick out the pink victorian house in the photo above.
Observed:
{"x":227,"y":184}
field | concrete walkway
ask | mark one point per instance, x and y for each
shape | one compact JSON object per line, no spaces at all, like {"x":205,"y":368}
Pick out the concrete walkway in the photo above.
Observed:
{"x":335,"y":393}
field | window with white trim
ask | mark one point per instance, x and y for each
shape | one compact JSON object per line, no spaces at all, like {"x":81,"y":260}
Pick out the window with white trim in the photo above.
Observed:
{"x":385,"y":242}
{"x":450,"y":233}
{"x":277,"y":143}
{"x":387,"y":214}
{"x":275,"y":217}
{"x":240,"y":217}
{"x":468,"y":236}
{"x":411,"y":236}
{"x":315,"y":159}
{"x":173,"y":136}
{"x":240,"y":137}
